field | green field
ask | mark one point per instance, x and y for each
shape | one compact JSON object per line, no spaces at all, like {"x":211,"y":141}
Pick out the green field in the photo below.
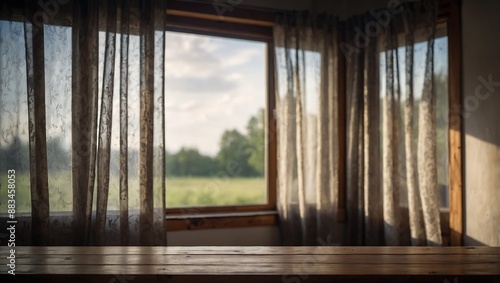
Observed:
{"x":181,"y":191}
{"x":209,"y":191}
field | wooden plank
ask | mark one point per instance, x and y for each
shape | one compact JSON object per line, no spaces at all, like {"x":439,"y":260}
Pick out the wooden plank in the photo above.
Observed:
{"x":271,"y":264}
{"x":252,"y":259}
{"x":252,"y":250}
{"x":268,"y":269}
{"x":455,"y":125}
{"x":255,"y":279}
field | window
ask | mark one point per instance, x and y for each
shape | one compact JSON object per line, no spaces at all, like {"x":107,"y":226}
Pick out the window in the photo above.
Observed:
{"x":221,"y":146}
{"x":219,"y":126}
{"x":215,"y":120}
{"x":14,"y":144}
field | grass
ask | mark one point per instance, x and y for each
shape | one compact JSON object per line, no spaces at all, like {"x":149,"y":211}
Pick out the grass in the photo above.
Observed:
{"x":211,"y":191}
{"x":181,"y":192}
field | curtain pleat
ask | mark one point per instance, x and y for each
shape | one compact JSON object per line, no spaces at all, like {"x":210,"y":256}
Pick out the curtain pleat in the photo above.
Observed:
{"x":300,"y":133}
{"x":84,"y":114}
{"x":381,"y":157}
{"x":305,"y":103}
{"x":285,"y":108}
{"x":390,"y":148}
{"x":416,"y":221}
{"x":159,"y":166}
{"x":324,"y":186}
{"x":35,"y":73}
{"x":387,"y":124}
{"x":355,"y":89}
{"x":146,"y":122}
{"x":105,"y":122}
{"x":124,"y":190}
{"x":373,"y":212}
{"x":427,"y":169}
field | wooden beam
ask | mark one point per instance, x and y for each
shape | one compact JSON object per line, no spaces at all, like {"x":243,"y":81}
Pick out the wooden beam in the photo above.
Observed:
{"x":220,"y":18}
{"x":271,"y":130}
{"x":455,"y":124}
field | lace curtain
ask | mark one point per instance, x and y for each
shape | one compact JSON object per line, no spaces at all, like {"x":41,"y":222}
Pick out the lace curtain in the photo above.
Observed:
{"x":306,"y":108}
{"x":82,"y":87}
{"x":390,"y":143}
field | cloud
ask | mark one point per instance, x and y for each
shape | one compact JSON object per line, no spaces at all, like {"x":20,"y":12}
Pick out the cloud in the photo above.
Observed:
{"x":188,"y":84}
{"x":190,"y":55}
{"x":189,"y":105}
{"x":240,"y":57}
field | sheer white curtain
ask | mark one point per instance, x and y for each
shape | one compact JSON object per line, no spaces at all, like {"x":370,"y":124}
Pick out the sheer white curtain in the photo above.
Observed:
{"x":390,"y":142}
{"x":307,"y":126}
{"x":82,"y":121}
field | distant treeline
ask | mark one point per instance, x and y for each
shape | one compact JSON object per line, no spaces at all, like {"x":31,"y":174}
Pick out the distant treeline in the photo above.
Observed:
{"x":239,"y":155}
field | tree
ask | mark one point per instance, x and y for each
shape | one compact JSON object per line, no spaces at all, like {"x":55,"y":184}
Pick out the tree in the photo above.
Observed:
{"x":256,"y":140}
{"x":234,"y":154}
{"x":58,"y":158}
{"x":15,"y":156}
{"x":189,"y":162}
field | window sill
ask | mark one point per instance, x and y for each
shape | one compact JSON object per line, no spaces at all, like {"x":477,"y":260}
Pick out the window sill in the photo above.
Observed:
{"x":221,"y":220}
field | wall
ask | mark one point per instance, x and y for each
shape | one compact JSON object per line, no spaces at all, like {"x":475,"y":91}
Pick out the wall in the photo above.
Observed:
{"x":251,"y":236}
{"x":481,"y":58}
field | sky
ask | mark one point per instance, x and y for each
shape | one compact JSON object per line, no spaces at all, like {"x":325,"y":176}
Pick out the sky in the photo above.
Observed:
{"x":212,"y":84}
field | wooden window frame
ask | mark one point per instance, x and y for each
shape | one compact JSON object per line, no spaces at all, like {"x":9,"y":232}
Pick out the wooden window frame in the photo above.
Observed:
{"x":449,"y":13}
{"x":241,"y":23}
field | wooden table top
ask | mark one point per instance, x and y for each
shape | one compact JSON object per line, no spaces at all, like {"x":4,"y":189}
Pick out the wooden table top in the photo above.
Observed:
{"x":256,"y":260}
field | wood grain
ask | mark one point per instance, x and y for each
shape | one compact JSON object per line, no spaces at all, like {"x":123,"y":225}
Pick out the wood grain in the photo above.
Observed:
{"x":272,"y":261}
{"x":253,"y":250}
{"x":455,"y":125}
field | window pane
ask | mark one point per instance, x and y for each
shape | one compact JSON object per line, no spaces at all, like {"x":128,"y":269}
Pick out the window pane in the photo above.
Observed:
{"x":442,"y":110}
{"x":215,"y":120}
{"x":57,"y":41}
{"x":14,"y":144}
{"x":14,"y":133}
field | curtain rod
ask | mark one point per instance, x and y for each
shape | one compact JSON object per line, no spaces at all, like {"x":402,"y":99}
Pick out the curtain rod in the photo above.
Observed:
{"x":204,"y":16}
